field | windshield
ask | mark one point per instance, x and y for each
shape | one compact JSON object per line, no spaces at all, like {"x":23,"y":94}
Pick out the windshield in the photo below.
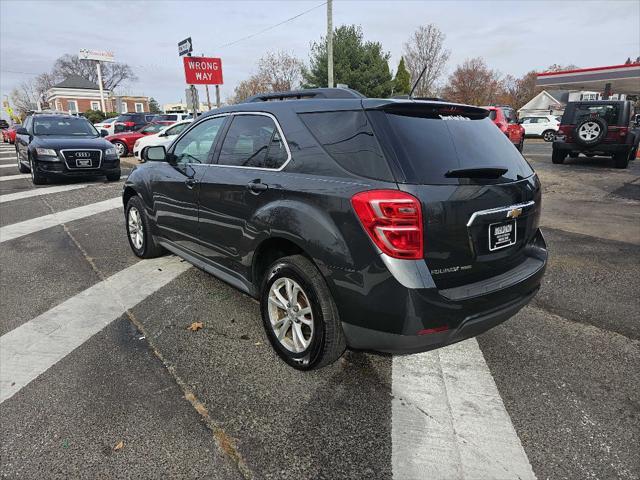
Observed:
{"x":427,"y":147}
{"x":75,"y":127}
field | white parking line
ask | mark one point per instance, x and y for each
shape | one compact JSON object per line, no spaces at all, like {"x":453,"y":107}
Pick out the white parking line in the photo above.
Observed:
{"x":11,"y":165}
{"x":14,"y":177}
{"x":20,"y":229}
{"x":34,"y":347}
{"x":448,"y":419}
{"x":36,"y":192}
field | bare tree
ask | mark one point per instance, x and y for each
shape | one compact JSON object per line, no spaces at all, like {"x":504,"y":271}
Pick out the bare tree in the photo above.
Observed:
{"x":425,"y":48}
{"x":277,"y":71}
{"x":560,"y":68}
{"x":517,"y":91}
{"x":113,"y":74}
{"x":474,"y":83}
{"x":24,"y":98}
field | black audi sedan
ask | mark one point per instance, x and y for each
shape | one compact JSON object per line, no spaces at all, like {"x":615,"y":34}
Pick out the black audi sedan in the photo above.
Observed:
{"x":63,"y":146}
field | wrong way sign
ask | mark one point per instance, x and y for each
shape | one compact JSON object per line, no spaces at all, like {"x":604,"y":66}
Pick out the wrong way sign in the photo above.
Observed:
{"x":203,"y":70}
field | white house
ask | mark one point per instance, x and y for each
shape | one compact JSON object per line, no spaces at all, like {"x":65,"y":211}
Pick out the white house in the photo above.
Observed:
{"x":552,"y":102}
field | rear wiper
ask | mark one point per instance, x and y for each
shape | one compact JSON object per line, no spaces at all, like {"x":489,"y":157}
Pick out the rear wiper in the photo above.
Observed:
{"x":477,"y":172}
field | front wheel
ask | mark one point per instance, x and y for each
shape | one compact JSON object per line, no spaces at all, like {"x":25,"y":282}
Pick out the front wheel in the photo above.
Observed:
{"x":36,"y":177}
{"x":21,"y":168}
{"x":548,"y":135}
{"x":299,"y":315}
{"x":113,"y":177}
{"x":121,"y":148}
{"x":558,"y":156}
{"x":139,"y":234}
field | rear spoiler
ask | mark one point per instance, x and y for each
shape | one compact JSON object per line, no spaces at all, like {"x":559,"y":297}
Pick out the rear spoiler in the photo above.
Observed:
{"x":432,"y":109}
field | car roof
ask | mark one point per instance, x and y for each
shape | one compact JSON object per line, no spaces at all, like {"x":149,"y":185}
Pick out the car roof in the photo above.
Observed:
{"x":56,"y":115}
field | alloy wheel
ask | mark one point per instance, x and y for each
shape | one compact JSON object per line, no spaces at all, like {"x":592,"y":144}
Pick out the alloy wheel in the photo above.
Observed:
{"x":119,"y":148}
{"x":548,"y":136}
{"x":589,"y":131}
{"x":136,"y":230}
{"x":290,"y":315}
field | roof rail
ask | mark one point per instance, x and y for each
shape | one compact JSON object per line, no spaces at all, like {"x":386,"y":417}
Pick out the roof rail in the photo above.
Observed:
{"x":306,"y":94}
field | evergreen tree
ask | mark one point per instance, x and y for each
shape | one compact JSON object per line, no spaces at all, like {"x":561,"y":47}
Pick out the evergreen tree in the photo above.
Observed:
{"x":402,"y":82}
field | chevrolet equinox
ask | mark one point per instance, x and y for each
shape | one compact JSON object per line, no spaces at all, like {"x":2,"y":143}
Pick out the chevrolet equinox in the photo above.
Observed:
{"x":379,"y":224}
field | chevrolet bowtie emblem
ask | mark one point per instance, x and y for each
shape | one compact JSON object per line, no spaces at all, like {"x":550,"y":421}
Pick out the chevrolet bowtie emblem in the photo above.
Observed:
{"x":514,"y":213}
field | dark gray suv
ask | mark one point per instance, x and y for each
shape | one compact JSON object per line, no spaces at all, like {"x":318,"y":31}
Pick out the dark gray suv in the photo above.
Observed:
{"x":391,"y":225}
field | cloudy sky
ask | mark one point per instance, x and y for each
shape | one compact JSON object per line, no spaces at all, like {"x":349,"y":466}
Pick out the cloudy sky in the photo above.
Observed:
{"x":513,"y":36}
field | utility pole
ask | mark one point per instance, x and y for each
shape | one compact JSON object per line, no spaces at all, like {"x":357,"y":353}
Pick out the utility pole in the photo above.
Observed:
{"x":330,"y":43}
{"x":217,"y":96}
{"x":100,"y":85}
{"x":207,"y":89}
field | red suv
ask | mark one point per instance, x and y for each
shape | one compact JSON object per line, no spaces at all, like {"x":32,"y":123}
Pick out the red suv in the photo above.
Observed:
{"x":506,"y":120}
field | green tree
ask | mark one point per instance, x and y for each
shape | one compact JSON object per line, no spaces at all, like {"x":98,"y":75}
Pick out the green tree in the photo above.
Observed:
{"x":364,"y":66}
{"x":402,"y":82}
{"x":153,"y":106}
{"x":94,"y":116}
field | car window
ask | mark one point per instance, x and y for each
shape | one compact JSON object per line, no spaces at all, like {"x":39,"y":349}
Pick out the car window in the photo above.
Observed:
{"x":195,"y":145}
{"x":347,"y":136}
{"x":493,"y":114}
{"x":528,"y":120}
{"x":77,"y":127}
{"x":176,"y":129}
{"x":253,"y":141}
{"x":152,"y":128}
{"x":608,"y":112}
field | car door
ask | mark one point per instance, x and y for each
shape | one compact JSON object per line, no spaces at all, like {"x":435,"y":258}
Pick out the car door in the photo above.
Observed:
{"x":175,"y":183}
{"x":245,"y":176}
{"x":22,"y":141}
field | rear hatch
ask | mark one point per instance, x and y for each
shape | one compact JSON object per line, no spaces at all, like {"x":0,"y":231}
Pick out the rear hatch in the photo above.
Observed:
{"x":611,"y":113}
{"x":480,"y":198}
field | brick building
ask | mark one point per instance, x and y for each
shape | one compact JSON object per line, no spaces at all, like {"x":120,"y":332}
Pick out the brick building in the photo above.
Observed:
{"x":78,"y":95}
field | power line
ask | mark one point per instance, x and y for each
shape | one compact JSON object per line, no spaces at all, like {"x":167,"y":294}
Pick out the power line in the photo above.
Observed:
{"x":21,"y":73}
{"x":270,"y":28}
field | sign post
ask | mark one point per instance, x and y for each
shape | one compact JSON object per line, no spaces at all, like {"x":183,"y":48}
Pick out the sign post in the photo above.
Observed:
{"x":99,"y":56}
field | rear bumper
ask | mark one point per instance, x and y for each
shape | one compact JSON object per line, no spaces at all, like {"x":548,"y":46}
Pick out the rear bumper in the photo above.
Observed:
{"x":600,"y":148}
{"x":395,"y":319}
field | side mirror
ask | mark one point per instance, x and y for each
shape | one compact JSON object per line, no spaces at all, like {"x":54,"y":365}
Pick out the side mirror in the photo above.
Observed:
{"x":21,"y":131}
{"x":155,"y":154}
{"x":104,"y":133}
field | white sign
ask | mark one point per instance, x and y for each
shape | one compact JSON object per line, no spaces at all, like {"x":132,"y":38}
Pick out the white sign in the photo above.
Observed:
{"x":185,"y":46}
{"x":101,"y":55}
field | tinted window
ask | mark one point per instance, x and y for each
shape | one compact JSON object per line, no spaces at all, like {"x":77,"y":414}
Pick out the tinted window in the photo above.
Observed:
{"x":428,"y":147}
{"x":492,"y":114}
{"x":152,"y":128}
{"x":176,"y":130}
{"x":609,"y":113}
{"x":253,"y":141}
{"x":196,"y":144}
{"x":165,"y":118}
{"x":77,"y":127}
{"x":348,"y":138}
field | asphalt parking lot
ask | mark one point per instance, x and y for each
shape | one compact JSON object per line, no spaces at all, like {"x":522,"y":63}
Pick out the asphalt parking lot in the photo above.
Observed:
{"x":116,"y":386}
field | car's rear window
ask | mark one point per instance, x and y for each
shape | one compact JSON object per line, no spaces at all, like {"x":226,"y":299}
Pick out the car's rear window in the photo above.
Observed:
{"x":349,"y":139}
{"x":492,"y":114}
{"x":608,"y":112}
{"x":429,"y":146}
{"x":165,"y":118}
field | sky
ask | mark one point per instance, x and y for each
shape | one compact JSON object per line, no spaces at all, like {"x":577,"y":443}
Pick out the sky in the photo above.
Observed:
{"x":514,"y":37}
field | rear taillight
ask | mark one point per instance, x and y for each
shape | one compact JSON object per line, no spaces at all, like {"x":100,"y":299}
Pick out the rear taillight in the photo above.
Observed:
{"x":622,"y":131}
{"x":565,"y":129}
{"x":393,"y":220}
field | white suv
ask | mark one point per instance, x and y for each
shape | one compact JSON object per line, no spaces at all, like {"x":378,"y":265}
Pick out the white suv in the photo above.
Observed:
{"x":544,"y":126}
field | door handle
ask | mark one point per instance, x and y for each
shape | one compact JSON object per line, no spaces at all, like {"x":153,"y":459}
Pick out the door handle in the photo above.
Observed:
{"x":190,"y":182}
{"x":257,"y":187}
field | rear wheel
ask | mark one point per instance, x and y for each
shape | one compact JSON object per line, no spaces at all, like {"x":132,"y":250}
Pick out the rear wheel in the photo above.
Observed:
{"x":558,"y":156}
{"x":299,"y":315}
{"x":121,"y":148}
{"x":574,"y":154}
{"x":621,"y":160}
{"x":520,"y":146}
{"x":548,"y":135}
{"x":139,"y":234}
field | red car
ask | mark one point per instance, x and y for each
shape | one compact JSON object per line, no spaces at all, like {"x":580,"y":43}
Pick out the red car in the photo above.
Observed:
{"x":506,"y":120}
{"x":9,"y":134}
{"x":124,"y":141}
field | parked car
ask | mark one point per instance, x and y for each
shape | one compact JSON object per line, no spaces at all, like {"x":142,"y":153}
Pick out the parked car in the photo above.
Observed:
{"x":170,"y":118}
{"x":9,"y":134}
{"x":163,"y":137}
{"x":506,"y":120}
{"x":129,"y":122}
{"x":604,"y":127}
{"x":63,"y":146}
{"x":544,"y":126}
{"x":382,"y":224}
{"x":125,"y":141}
{"x":108,"y":124}
{"x":3,"y":124}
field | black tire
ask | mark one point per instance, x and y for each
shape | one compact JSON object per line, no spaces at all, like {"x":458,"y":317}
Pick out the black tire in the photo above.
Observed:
{"x":621,"y":160}
{"x":558,"y":156}
{"x":548,"y":135}
{"x":121,"y":148}
{"x":590,"y":155}
{"x":113,"y":177}
{"x":148,"y":247}
{"x":327,"y":341}
{"x":634,"y":154}
{"x":520,"y":146}
{"x":36,"y":177}
{"x":590,"y":123}
{"x":574,"y":154}
{"x":21,"y":167}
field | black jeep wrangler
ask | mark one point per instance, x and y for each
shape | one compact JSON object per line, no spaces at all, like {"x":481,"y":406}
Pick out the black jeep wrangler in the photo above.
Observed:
{"x":598,"y":128}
